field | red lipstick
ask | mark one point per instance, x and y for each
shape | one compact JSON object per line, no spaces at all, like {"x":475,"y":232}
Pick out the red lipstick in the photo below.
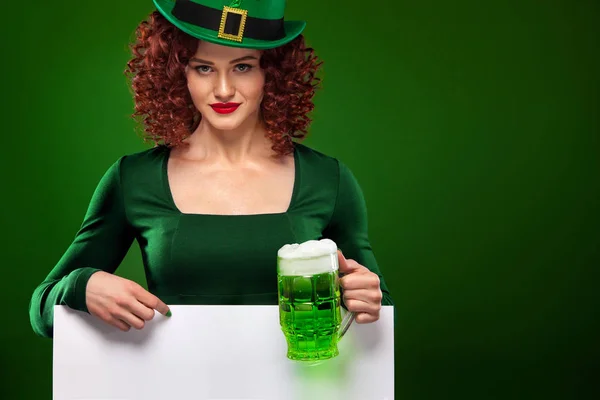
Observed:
{"x":225,"y":108}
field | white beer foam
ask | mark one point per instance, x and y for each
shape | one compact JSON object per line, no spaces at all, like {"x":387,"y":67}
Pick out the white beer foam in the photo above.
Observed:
{"x":308,"y":258}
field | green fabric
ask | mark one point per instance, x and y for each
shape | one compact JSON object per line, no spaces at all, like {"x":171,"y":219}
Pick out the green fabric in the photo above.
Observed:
{"x":266,"y":9}
{"x":201,"y":258}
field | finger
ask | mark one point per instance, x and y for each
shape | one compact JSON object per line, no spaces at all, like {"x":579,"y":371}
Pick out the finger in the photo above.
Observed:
{"x":119,"y":324}
{"x":110,"y":318}
{"x":348,"y":265}
{"x":368,"y":295}
{"x":140,"y":310}
{"x":342,"y":263}
{"x":153,"y":302}
{"x":126,"y":316}
{"x":366,"y":318}
{"x":360,"y":280}
{"x":358,"y":306}
{"x":353,"y":266}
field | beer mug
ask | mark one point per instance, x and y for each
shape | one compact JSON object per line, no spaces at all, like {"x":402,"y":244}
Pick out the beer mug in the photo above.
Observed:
{"x":310,"y":313}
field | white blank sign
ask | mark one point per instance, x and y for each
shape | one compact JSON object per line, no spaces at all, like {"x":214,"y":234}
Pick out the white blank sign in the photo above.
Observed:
{"x":214,"y":353}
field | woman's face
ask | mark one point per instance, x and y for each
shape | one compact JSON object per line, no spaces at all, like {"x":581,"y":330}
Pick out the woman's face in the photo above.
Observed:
{"x":226,"y":84}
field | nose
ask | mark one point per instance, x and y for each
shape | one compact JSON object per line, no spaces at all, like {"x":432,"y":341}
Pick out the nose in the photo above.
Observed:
{"x":224,"y":89}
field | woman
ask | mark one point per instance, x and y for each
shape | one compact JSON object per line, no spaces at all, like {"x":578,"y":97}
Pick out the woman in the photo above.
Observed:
{"x":222,"y":93}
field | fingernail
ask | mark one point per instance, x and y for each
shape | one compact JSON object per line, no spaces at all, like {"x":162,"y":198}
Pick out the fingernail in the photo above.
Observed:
{"x":168,"y":313}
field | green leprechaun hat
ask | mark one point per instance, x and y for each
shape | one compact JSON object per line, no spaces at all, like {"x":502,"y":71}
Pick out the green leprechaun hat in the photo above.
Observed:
{"x":256,"y":24}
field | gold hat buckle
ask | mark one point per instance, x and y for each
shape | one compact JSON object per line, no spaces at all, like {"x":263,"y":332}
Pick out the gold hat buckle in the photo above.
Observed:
{"x":230,"y":10}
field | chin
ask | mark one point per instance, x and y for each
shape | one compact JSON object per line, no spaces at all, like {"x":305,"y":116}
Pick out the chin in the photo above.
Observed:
{"x":224,"y":124}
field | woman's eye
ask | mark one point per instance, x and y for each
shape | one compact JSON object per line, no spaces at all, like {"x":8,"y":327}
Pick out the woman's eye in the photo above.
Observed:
{"x":203,"y":68}
{"x":243,"y":67}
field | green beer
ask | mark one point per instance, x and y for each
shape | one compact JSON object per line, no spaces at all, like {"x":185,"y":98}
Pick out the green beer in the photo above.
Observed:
{"x":309,"y":299}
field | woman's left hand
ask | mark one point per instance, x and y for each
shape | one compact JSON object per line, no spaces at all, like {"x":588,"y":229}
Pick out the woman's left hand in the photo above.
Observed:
{"x":362,"y":294}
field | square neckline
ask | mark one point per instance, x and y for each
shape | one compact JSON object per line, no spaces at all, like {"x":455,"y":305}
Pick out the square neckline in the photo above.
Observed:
{"x":169,"y":194}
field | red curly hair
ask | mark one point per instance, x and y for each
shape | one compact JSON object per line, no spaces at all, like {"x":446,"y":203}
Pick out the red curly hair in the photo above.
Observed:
{"x":163,"y":102}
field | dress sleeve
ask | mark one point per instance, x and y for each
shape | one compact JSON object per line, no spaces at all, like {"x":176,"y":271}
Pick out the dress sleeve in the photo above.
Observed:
{"x":101,"y":243}
{"x":349,"y":229}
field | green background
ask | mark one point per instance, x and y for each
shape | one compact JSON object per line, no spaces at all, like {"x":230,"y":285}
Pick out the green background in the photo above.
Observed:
{"x":472,"y":126}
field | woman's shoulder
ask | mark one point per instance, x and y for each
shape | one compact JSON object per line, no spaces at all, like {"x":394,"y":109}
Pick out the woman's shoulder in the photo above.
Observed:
{"x":319,"y":162}
{"x":143,"y":158}
{"x":142,"y":164}
{"x":311,"y":157}
{"x":148,"y":156}
{"x":325,"y":169}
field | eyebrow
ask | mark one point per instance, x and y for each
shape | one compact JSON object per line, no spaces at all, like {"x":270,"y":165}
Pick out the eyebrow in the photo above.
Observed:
{"x":230,"y":62}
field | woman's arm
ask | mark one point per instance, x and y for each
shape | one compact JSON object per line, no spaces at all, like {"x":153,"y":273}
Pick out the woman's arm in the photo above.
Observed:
{"x":348,"y":227}
{"x":100,"y":245}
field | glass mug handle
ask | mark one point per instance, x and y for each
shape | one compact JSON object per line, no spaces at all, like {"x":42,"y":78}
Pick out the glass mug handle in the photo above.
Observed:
{"x":349,"y":317}
{"x":346,"y":322}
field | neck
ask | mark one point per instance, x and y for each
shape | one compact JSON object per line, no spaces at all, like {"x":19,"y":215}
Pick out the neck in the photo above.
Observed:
{"x":234,"y":146}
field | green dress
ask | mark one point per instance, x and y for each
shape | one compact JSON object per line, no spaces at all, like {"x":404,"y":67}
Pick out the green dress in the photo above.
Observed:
{"x":201,"y":258}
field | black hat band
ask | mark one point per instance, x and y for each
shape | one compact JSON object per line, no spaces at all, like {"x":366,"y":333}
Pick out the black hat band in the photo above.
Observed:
{"x":211,"y":18}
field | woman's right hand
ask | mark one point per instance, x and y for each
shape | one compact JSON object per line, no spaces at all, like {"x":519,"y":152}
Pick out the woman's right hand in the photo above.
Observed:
{"x":121,"y":302}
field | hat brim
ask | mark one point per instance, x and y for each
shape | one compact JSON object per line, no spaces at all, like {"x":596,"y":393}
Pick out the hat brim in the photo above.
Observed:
{"x":292,"y":30}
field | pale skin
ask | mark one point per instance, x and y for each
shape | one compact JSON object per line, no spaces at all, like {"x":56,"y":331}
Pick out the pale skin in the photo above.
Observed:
{"x":229,"y":157}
